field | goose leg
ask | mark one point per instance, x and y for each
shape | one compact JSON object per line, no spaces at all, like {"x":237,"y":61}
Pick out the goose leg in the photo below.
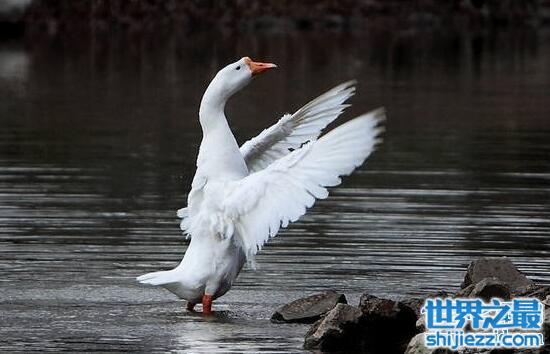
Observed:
{"x":207,"y":304}
{"x":190,"y":306}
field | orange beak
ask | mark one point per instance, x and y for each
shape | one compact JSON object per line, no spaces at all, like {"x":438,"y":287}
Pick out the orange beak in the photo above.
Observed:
{"x":258,"y":68}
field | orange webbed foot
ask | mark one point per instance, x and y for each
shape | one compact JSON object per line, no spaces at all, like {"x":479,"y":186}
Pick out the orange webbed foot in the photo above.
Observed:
{"x":207,"y":304}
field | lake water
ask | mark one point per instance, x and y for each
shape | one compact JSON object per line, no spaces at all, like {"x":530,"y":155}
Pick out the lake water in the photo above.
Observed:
{"x":98,"y":139}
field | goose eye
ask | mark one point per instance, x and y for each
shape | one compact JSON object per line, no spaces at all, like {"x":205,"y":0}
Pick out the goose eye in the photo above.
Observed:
{"x":238,"y":68}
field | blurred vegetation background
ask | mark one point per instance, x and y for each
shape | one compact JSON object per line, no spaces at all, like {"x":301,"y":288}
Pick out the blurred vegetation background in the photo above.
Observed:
{"x":39,"y":17}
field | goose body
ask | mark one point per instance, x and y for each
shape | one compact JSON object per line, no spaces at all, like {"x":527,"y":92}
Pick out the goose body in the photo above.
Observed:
{"x":242,"y":196}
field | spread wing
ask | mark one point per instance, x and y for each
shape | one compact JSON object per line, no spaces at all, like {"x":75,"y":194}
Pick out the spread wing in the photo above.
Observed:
{"x":262,"y":202}
{"x":291,"y":131}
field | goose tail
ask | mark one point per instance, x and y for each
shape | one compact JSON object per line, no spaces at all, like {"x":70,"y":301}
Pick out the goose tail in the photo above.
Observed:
{"x":157,"y":278}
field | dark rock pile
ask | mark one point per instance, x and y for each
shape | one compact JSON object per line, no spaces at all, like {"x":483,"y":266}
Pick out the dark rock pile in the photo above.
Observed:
{"x":386,"y":326}
{"x":337,"y":331}
{"x":309,"y":309}
{"x":500,"y":268}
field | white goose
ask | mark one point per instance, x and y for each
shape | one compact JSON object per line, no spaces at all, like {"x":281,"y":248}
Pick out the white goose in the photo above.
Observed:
{"x":240,"y":197}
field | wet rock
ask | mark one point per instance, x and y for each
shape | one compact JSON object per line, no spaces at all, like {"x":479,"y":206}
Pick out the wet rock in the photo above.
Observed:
{"x":482,"y":351}
{"x":546,"y":327}
{"x":417,"y":346}
{"x":466,"y":291}
{"x":540,"y":292}
{"x":520,"y":351}
{"x":338,"y":331}
{"x":416,"y":303}
{"x":398,"y":314}
{"x":308,"y":309}
{"x":421,"y":324}
{"x":388,"y":325}
{"x":501,"y":268}
{"x":490,"y":288}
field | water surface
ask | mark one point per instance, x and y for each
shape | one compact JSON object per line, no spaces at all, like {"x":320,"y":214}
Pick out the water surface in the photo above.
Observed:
{"x":98,"y":141}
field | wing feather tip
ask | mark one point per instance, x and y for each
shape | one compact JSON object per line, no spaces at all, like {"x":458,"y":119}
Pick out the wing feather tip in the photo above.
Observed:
{"x":379,"y":114}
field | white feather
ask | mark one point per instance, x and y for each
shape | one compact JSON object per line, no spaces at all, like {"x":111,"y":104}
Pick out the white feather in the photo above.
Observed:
{"x":266,"y":200}
{"x":291,"y":131}
{"x":241,"y":197}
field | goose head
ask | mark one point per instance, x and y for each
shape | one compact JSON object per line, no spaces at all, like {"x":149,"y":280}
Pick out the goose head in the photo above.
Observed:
{"x":232,"y":79}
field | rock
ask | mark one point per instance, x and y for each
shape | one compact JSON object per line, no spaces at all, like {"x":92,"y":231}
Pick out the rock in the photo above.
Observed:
{"x":421,"y":324}
{"x":416,"y":303}
{"x":417,"y":346}
{"x":546,"y":322}
{"x":384,"y":311}
{"x":520,"y":351}
{"x":546,"y":326}
{"x":388,"y":325}
{"x":541,"y":292}
{"x":308,"y":309}
{"x":483,"y":351}
{"x":489,"y":288}
{"x":466,"y":291}
{"x":337,"y":331}
{"x":501,"y":268}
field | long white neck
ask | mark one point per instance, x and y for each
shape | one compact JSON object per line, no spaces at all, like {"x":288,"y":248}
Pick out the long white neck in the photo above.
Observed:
{"x":219,"y":154}
{"x":211,"y":111}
